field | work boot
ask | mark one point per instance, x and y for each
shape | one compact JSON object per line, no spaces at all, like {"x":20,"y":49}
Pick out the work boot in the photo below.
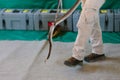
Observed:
{"x":94,"y":57}
{"x":73,"y":62}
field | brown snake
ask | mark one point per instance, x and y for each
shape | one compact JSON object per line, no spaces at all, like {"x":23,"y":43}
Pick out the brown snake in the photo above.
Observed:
{"x":58,"y":21}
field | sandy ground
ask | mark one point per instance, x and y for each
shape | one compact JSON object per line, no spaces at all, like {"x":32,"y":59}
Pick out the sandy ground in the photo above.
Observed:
{"x":24,"y":60}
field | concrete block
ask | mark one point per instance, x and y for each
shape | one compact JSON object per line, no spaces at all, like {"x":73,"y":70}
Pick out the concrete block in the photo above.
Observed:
{"x":43,"y":17}
{"x":106,"y":20}
{"x":76,"y":15}
{"x":1,"y":20}
{"x":29,"y":18}
{"x":117,"y":20}
{"x":14,"y":19}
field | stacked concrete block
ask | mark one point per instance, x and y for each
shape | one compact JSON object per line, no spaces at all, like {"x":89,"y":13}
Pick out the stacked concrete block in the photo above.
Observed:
{"x":14,"y":19}
{"x":76,"y":15}
{"x":18,"y":19}
{"x":45,"y":16}
{"x":107,"y":20}
{"x":117,"y":11}
{"x":1,"y":20}
{"x":48,"y":17}
{"x":38,"y":24}
{"x":117,"y":20}
{"x":68,"y":23}
{"x":29,"y":15}
{"x":1,"y":26}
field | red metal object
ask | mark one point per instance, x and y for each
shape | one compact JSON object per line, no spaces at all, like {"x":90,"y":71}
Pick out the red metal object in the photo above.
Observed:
{"x":50,"y":24}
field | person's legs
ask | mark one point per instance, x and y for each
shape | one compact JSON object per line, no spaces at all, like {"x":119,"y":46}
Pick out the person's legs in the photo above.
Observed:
{"x":96,"y":42}
{"x":96,"y":38}
{"x":85,"y":25}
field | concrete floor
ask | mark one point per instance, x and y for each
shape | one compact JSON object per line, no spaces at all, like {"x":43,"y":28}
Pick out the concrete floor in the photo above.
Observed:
{"x":24,"y":60}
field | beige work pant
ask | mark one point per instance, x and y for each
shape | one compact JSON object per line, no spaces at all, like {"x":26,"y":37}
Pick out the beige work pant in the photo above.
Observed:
{"x":89,"y":28}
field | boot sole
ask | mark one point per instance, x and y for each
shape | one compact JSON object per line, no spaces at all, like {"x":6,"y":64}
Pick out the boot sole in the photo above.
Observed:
{"x":73,"y":65}
{"x":96,"y":59}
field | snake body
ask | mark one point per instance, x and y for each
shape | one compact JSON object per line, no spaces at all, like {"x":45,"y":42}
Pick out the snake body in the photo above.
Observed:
{"x":58,"y":21}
